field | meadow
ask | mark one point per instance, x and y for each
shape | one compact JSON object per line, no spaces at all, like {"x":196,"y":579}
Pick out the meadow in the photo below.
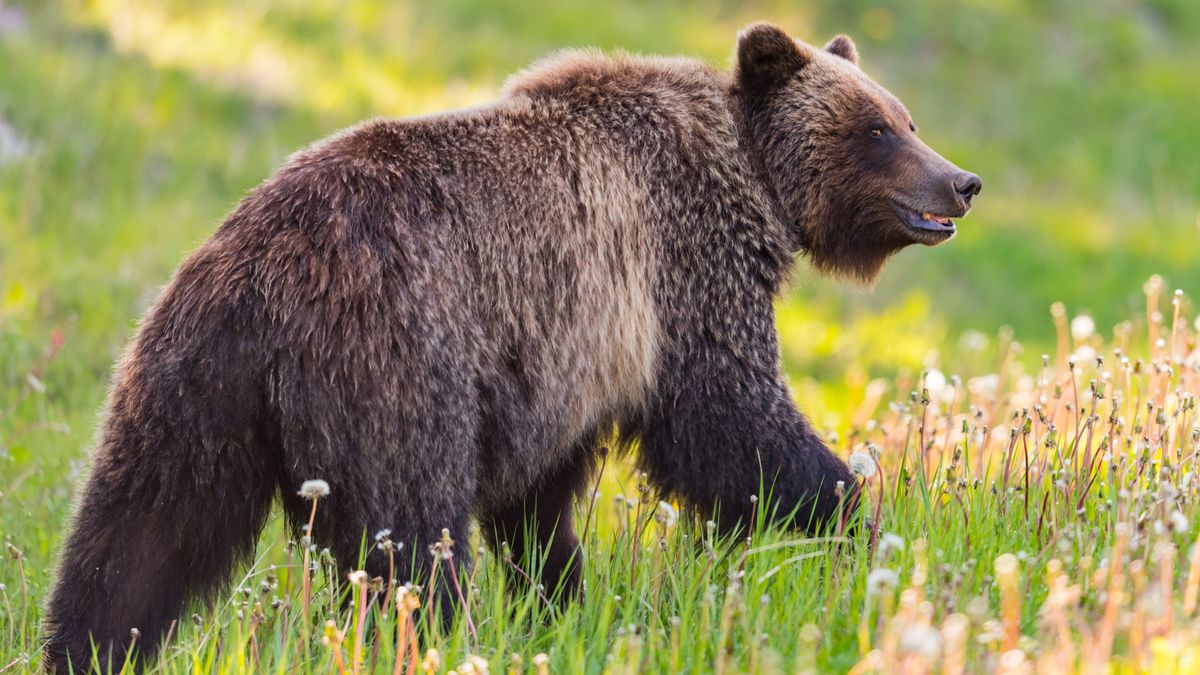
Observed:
{"x":1020,"y":403}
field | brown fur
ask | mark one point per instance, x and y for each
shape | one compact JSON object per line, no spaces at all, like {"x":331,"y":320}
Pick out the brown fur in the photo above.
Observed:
{"x":811,"y":112}
{"x":443,"y":316}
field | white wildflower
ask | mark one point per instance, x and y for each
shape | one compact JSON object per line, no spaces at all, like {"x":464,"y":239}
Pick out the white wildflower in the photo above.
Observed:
{"x":1085,"y":354}
{"x":383,"y":541}
{"x":935,"y":381}
{"x":666,"y":515}
{"x":862,"y":464}
{"x":1179,"y":522}
{"x":921,"y":639}
{"x":358,"y":577}
{"x":880,"y":580}
{"x":1082,"y":327}
{"x":987,"y":385}
{"x":314,"y":489}
{"x":890,"y":542}
{"x":473,"y":664}
{"x":973,"y":341}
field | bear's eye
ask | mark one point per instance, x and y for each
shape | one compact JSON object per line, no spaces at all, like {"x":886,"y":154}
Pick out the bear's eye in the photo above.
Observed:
{"x":876,"y":132}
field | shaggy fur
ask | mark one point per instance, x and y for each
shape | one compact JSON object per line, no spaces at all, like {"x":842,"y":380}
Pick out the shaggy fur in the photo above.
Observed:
{"x":442,"y":316}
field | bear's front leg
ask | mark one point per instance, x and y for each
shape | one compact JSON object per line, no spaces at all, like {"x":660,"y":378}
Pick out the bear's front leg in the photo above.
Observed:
{"x":723,"y":430}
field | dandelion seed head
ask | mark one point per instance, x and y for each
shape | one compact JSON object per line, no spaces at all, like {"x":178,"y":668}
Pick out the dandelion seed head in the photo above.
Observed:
{"x":314,"y":489}
{"x":1082,"y":327}
{"x":921,"y":639}
{"x":1179,"y":522}
{"x":973,"y":341}
{"x":890,"y":542}
{"x":1084,"y":354}
{"x":666,"y":514}
{"x":862,"y":464}
{"x":935,"y":381}
{"x":880,"y":580}
{"x":987,"y":384}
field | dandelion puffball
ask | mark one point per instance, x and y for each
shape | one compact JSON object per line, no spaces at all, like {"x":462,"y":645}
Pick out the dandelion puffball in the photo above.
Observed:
{"x":862,"y":464}
{"x":973,"y":341}
{"x":881,"y":580}
{"x":1082,"y":327}
{"x":935,"y":381}
{"x":890,"y":542}
{"x":667,"y":515}
{"x":314,"y":489}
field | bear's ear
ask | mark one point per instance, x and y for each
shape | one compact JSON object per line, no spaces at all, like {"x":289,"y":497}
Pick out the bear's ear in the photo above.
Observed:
{"x":844,"y":47}
{"x":767,"y":57}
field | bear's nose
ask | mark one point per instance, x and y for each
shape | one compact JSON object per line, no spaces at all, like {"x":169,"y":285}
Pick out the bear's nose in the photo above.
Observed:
{"x":967,"y":185}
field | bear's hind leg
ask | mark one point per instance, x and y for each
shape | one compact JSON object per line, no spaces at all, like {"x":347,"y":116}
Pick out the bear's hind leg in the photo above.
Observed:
{"x":540,"y":530}
{"x":183,"y":477}
{"x":399,"y":454}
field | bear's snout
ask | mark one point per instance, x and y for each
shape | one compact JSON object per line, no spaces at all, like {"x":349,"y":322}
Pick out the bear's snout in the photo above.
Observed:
{"x":967,"y":185}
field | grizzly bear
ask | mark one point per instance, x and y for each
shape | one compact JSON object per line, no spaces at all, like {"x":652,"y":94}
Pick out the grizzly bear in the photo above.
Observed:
{"x":445,"y":317}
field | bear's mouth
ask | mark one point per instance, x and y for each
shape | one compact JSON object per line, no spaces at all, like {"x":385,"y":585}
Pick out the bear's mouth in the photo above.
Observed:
{"x":925,"y":222}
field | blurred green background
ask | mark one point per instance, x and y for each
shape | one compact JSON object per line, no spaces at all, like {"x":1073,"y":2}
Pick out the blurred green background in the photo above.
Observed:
{"x":128,"y":128}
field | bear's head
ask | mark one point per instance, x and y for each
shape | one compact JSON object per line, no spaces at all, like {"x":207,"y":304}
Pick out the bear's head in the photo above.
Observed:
{"x":842,"y":155}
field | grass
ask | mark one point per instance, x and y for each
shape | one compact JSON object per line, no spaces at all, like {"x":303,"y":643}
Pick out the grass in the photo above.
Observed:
{"x":128,"y":128}
{"x":1013,"y":520}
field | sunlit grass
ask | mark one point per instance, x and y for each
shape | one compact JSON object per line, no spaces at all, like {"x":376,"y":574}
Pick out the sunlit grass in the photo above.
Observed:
{"x":1011,"y":521}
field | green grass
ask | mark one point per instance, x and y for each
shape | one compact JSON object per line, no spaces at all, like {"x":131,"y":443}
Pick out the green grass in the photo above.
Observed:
{"x":129,"y":128}
{"x":1041,"y":518}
